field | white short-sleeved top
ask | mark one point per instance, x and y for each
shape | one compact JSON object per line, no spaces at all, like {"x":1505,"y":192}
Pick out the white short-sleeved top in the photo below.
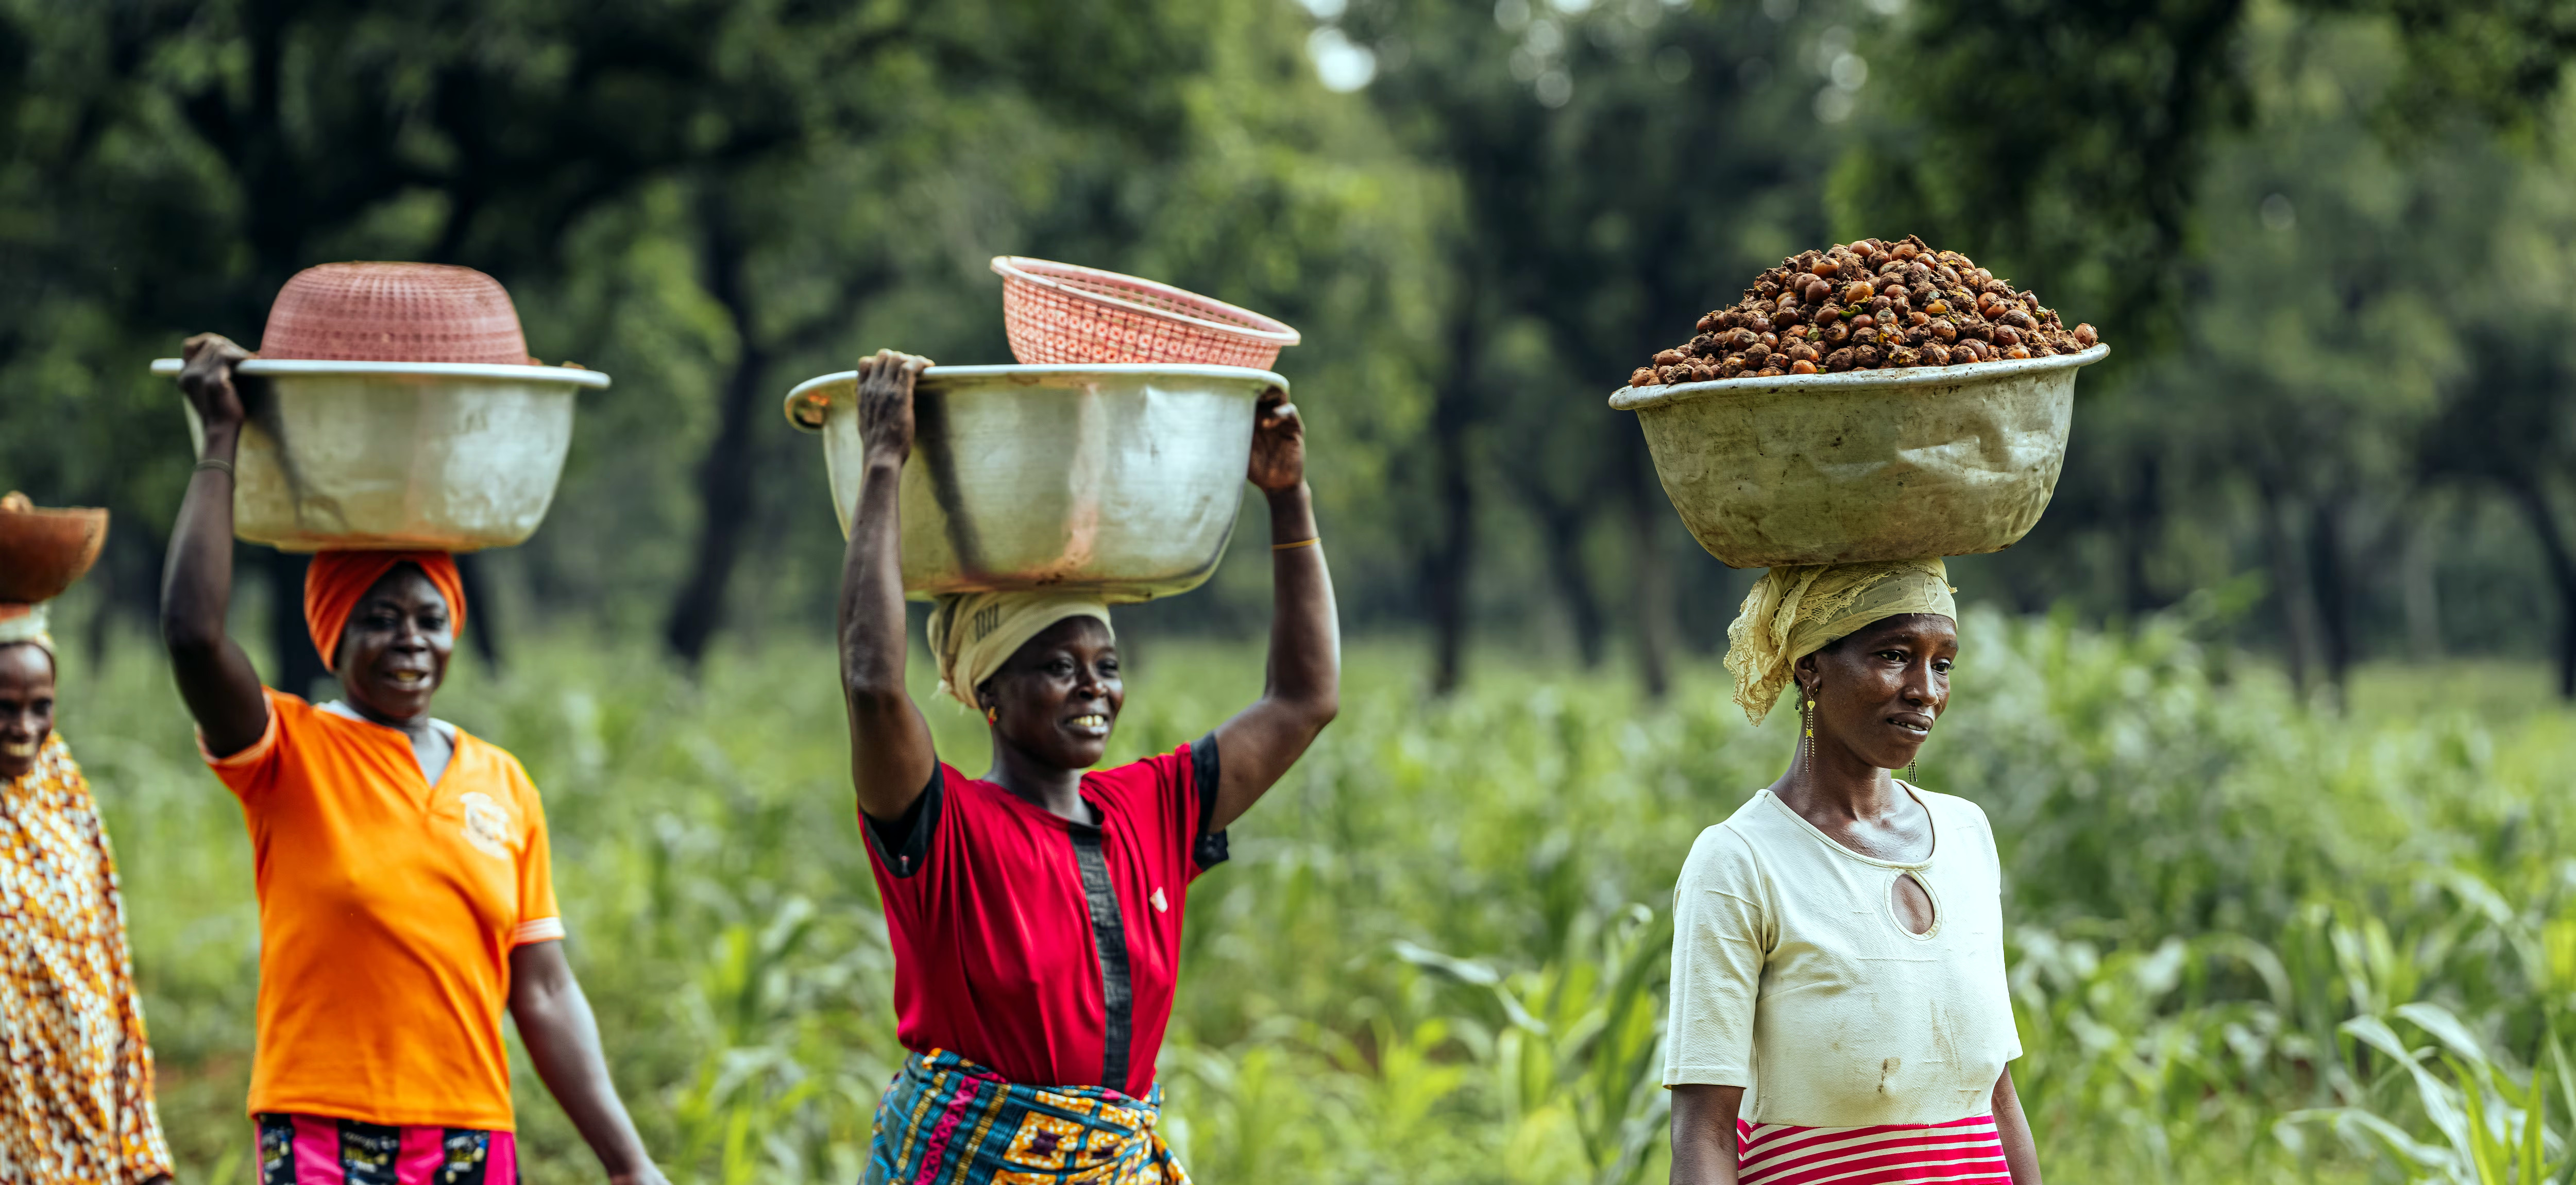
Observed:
{"x":1793,"y":978}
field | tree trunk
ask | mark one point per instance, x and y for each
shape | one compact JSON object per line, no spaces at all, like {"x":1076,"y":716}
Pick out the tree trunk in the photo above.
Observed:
{"x":1453,"y":553}
{"x":299,"y":665}
{"x":1564,"y":521}
{"x":1652,"y":587}
{"x":726,"y":475}
{"x":2289,"y":586}
{"x":2144,"y":510}
{"x":103,"y":586}
{"x":483,"y":622}
{"x":2554,"y":548}
{"x":2421,"y":592}
{"x":2333,"y":589}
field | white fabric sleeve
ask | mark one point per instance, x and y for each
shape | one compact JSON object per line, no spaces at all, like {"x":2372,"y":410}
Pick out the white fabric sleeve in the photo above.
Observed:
{"x":1722,"y":930}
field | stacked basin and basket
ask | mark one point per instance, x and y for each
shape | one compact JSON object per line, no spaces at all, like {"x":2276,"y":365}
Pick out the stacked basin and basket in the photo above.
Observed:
{"x":394,"y":406}
{"x":1111,"y":460}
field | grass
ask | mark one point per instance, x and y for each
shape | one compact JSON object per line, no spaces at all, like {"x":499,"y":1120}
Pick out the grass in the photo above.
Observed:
{"x":2251,"y":941}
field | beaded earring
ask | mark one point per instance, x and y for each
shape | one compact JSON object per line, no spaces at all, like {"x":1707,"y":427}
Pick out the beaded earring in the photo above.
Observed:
{"x":1807,"y":721}
{"x":992,"y":715}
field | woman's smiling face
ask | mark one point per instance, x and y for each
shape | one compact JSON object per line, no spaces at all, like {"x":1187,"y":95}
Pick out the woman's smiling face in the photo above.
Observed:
{"x":394,"y":650}
{"x":1878,"y":691}
{"x":26,"y":707}
{"x":1059,"y":696}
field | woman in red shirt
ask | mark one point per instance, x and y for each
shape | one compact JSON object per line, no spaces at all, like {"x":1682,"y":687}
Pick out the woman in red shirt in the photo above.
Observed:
{"x":1036,"y":911}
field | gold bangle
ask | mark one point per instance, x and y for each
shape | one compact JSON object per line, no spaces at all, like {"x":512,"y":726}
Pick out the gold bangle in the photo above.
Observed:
{"x":1307,"y":542}
{"x":217,"y":463}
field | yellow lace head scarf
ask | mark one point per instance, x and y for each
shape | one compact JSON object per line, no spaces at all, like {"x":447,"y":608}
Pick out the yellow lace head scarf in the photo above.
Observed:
{"x":1796,"y":611}
{"x":973,"y":634}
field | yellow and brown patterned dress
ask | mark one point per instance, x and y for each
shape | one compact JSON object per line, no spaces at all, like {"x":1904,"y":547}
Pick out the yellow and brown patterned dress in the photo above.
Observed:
{"x":76,"y":1088}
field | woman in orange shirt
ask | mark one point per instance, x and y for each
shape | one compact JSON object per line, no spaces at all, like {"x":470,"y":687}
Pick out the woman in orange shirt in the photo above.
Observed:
{"x":405,"y":896}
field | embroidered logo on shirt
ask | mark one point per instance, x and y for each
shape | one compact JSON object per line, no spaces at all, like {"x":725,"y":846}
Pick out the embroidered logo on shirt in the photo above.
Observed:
{"x":487,"y":825}
{"x":1161,"y":903}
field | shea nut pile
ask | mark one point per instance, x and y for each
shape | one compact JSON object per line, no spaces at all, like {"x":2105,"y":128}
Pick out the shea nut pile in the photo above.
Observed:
{"x":1869,"y":305}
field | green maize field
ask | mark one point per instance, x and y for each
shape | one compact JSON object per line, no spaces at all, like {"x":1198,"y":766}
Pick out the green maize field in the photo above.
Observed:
{"x":2253,"y":940}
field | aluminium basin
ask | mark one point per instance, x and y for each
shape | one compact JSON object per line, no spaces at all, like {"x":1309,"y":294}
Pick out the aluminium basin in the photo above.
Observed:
{"x":397,"y":455}
{"x":1121,"y":479}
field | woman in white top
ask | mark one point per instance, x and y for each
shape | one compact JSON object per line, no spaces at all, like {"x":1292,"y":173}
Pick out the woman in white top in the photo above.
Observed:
{"x":1839,"y":1009}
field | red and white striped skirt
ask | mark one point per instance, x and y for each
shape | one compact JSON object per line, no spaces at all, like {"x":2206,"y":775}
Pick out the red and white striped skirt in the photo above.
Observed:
{"x":1961,"y":1152}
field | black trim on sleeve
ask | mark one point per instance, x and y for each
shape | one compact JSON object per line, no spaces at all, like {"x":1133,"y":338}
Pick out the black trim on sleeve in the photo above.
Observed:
{"x":1207,"y":848}
{"x":1109,"y":939}
{"x":904,"y":844}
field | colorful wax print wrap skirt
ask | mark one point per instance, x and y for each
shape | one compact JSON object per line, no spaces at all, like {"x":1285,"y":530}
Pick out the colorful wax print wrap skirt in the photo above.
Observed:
{"x":1962,"y":1152}
{"x":948,"y":1121}
{"x":315,"y":1150}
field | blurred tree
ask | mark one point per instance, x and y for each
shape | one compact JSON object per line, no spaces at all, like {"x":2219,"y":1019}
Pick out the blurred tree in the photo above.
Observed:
{"x":814,"y":171}
{"x":2507,"y":420}
{"x":2508,"y":424}
{"x":234,"y":143}
{"x":794,"y":244}
{"x":1510,"y":205}
{"x":1594,"y":147}
{"x":2262,"y":202}
{"x":1189,"y":143}
{"x":2317,"y":328}
{"x":2068,"y":142}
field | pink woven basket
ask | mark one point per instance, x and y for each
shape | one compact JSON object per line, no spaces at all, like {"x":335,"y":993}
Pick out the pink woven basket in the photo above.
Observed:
{"x":1057,"y":313}
{"x":394,"y":312}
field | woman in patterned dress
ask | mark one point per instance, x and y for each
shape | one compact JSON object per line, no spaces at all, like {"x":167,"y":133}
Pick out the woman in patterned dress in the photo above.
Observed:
{"x":76,"y":1084}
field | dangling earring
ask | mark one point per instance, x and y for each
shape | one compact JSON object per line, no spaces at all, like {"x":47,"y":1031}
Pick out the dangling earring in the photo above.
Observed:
{"x":1807,"y":720}
{"x":992,"y":715}
{"x":1909,"y":774}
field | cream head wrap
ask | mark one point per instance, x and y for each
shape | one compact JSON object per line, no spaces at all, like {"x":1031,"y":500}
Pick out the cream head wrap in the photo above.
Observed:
{"x":973,"y":634}
{"x":25,"y":623}
{"x":1796,"y":611}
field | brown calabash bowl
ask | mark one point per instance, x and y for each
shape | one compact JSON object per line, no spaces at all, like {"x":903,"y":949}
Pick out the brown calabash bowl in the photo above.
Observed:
{"x":42,"y":551}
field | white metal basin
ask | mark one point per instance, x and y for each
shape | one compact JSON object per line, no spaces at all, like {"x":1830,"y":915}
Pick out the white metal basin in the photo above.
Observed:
{"x":438,"y":456}
{"x":1118,"y":478}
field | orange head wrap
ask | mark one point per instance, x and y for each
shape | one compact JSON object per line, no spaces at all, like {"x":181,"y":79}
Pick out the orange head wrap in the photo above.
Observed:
{"x":337,"y":579}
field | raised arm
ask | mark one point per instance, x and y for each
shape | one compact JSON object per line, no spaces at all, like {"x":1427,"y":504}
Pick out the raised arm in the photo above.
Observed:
{"x":890,"y":751}
{"x":215,"y":678}
{"x":1304,"y":687}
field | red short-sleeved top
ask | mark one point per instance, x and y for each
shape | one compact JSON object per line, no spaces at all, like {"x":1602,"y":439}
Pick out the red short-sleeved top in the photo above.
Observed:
{"x":1043,"y":948}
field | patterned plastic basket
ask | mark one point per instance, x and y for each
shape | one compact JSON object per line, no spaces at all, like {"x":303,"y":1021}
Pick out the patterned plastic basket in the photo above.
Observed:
{"x":394,"y":312}
{"x":1057,"y":313}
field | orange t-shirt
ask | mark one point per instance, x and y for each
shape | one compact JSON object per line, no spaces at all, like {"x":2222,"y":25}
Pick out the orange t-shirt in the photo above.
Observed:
{"x":387,"y":912}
